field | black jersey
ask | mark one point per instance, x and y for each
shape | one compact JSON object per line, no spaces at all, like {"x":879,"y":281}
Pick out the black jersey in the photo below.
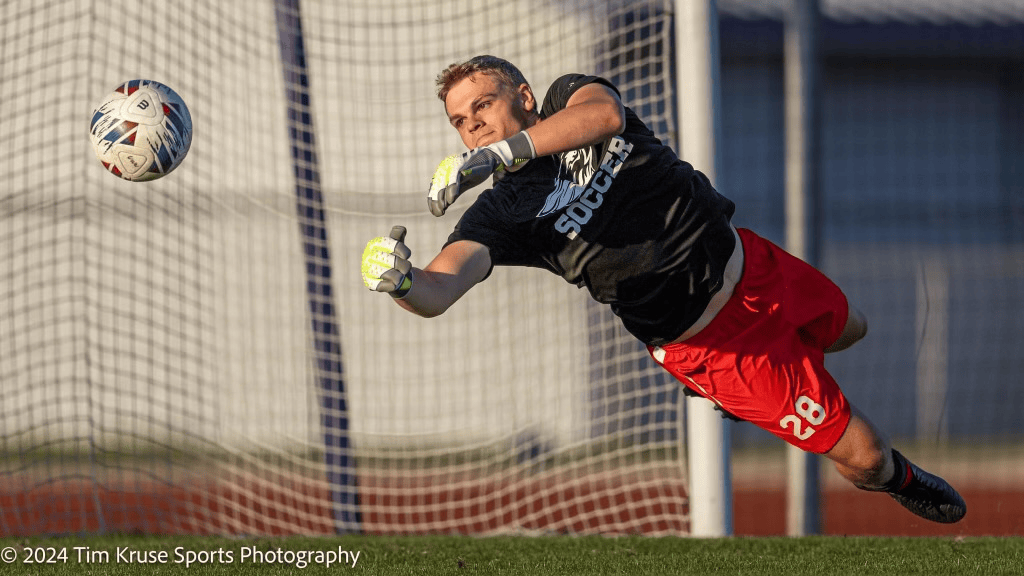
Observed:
{"x":641,"y":229}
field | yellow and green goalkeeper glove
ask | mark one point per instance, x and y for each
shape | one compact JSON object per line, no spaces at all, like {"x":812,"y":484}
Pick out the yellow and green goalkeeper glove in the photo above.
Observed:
{"x":386,"y":266}
{"x":461,"y":172}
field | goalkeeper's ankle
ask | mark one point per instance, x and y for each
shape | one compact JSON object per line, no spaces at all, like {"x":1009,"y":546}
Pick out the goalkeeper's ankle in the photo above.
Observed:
{"x":901,"y":476}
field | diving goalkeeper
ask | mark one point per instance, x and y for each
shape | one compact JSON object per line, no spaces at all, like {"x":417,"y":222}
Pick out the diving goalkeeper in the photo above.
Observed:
{"x":582,"y":188}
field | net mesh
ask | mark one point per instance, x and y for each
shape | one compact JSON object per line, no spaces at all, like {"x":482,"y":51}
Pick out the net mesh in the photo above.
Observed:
{"x":172,"y":366}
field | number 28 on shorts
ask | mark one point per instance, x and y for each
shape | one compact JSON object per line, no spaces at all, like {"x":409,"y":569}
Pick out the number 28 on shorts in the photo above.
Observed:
{"x":808,"y":413}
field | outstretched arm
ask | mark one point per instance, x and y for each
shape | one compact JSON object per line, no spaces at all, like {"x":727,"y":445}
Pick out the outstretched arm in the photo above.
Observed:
{"x":456,"y":269}
{"x":429,"y":291}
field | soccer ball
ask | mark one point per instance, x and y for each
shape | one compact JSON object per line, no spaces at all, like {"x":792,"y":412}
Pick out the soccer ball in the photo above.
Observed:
{"x":141,"y":131}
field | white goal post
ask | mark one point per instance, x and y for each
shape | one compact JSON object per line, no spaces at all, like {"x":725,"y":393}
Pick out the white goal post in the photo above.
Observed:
{"x":699,"y":98}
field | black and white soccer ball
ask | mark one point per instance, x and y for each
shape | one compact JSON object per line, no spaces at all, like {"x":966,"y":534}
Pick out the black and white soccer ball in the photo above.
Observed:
{"x":141,"y":131}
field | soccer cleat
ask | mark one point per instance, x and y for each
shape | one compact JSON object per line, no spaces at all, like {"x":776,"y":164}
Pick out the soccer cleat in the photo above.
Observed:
{"x":927,"y":495}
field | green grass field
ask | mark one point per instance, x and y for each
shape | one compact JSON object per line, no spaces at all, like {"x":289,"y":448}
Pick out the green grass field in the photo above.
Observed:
{"x":512,"y":555}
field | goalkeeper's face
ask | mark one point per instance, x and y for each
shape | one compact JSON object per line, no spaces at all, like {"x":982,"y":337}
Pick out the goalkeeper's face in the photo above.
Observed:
{"x":485,"y":111}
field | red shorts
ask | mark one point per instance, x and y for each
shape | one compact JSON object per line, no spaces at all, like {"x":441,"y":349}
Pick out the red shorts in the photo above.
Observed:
{"x":762,"y":356}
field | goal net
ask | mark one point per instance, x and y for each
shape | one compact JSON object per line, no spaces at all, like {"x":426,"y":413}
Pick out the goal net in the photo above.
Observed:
{"x":198,"y":353}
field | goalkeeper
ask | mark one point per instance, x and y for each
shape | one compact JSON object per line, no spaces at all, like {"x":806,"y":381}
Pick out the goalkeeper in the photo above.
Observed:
{"x":582,"y":188}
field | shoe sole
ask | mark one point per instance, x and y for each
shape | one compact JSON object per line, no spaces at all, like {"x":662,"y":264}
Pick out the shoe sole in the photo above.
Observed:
{"x":943,"y":513}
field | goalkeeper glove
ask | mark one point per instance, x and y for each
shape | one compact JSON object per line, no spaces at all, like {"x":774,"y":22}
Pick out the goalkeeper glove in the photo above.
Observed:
{"x":458,"y":173}
{"x":386,"y":266}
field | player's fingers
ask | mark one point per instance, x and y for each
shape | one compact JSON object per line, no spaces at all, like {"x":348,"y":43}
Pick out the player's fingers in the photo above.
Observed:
{"x":384,"y":245}
{"x":398,"y":235}
{"x":402,"y":265}
{"x":446,"y":173}
{"x":402,"y":251}
{"x":372,"y":273}
{"x":388,"y":259}
{"x":390,"y":280}
{"x":437,"y":207}
{"x":451,"y":194}
{"x":476,"y":175}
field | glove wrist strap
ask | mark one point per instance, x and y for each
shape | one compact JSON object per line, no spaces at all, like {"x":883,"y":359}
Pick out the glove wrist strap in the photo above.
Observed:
{"x":403,"y":290}
{"x":521,"y":146}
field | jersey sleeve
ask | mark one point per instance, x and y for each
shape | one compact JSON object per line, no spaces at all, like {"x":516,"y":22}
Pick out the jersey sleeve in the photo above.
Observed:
{"x":564,"y":87}
{"x":488,"y":222}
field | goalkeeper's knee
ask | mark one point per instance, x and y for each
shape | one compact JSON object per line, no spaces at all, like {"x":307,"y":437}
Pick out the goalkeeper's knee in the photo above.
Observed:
{"x":856,"y":328}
